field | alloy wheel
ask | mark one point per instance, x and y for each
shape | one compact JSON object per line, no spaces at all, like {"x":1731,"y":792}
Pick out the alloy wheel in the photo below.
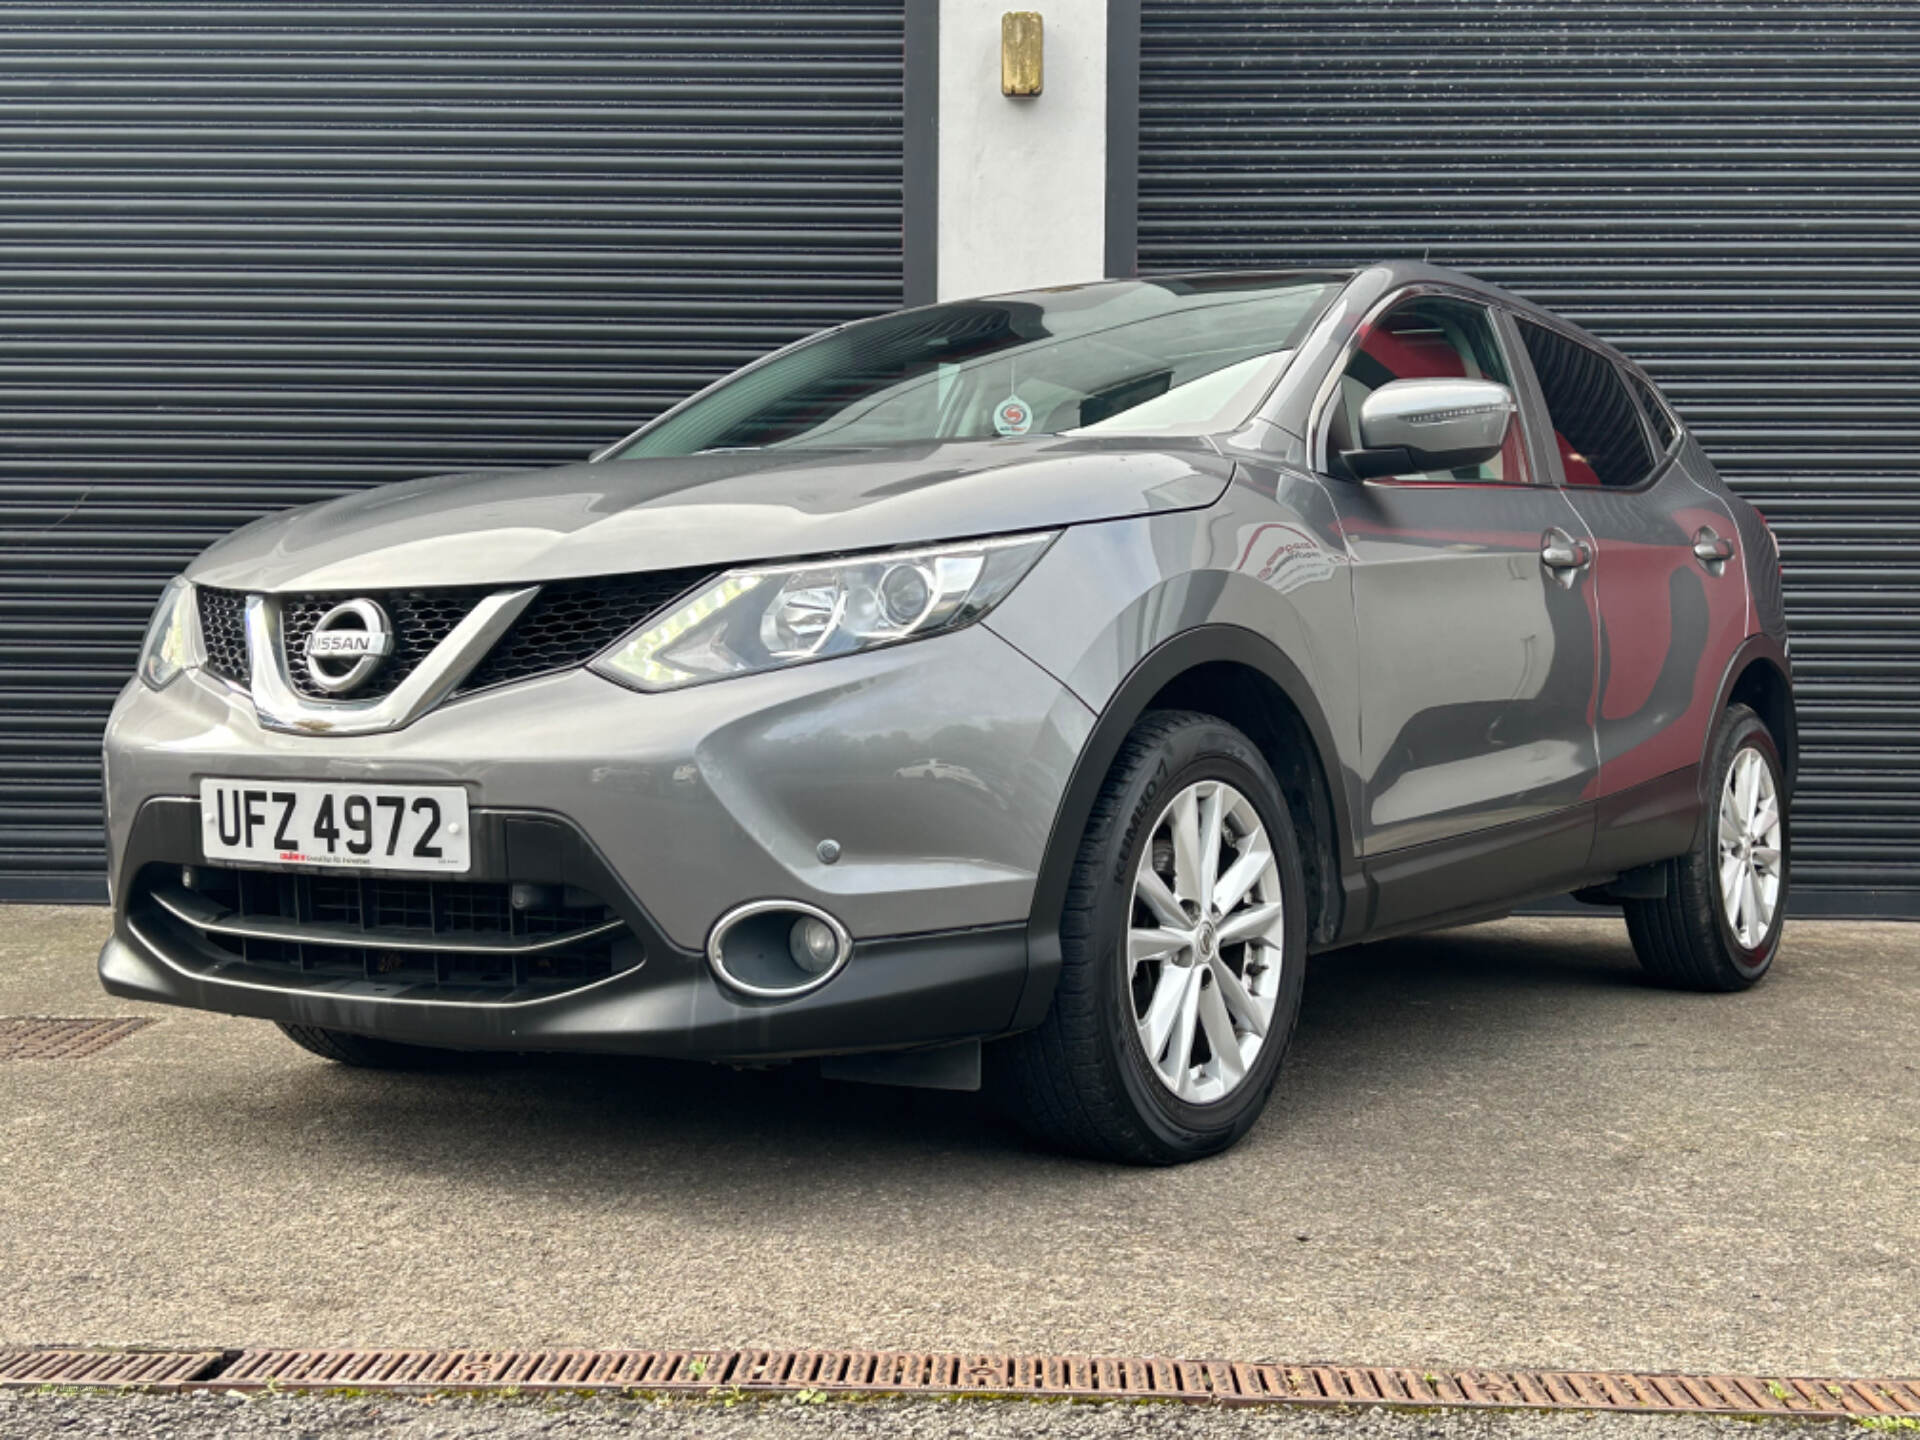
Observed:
{"x":1205,"y":942}
{"x":1748,"y":835}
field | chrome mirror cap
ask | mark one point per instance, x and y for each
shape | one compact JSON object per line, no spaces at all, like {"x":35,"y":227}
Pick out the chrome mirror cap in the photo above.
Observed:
{"x":1439,"y":424}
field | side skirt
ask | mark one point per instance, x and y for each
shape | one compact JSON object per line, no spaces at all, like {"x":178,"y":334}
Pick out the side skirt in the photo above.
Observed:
{"x":1471,"y":877}
{"x":1584,"y":848}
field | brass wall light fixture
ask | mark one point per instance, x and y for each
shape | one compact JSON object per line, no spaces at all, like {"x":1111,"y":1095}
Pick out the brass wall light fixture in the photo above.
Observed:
{"x":1021,"y":44}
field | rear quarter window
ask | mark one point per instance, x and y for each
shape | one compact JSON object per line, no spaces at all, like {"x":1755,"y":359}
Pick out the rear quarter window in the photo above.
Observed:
{"x":1596,"y":422}
{"x":1659,"y":417}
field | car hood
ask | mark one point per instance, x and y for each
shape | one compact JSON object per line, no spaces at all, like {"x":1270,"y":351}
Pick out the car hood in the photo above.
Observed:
{"x":496,"y":527}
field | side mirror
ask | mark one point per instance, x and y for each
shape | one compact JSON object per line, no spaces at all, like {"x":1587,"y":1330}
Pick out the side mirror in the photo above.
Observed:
{"x":1413,"y":425}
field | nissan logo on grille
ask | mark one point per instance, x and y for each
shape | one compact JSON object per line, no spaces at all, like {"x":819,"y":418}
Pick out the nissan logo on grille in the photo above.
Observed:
{"x":347,"y":645}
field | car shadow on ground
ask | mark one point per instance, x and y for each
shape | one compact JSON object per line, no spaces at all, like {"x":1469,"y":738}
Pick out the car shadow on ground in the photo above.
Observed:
{"x":1369,"y":1014}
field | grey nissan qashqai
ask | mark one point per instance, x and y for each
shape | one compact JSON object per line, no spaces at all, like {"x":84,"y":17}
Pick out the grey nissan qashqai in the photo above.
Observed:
{"x":1014,"y":690}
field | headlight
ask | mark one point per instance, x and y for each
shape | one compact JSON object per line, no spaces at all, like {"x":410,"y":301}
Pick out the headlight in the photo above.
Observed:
{"x":768,"y":616}
{"x":173,"y":636}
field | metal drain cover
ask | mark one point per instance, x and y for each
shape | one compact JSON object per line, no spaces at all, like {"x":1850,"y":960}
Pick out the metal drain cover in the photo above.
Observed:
{"x":40,"y":1038}
{"x":143,"y":1369}
{"x":896,"y":1372}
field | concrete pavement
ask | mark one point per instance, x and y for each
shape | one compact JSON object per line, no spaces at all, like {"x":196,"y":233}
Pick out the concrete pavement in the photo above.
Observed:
{"x":1494,"y":1145}
{"x":196,"y":1417}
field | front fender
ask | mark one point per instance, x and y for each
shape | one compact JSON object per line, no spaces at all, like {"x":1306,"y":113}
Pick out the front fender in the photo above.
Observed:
{"x":1119,"y":611}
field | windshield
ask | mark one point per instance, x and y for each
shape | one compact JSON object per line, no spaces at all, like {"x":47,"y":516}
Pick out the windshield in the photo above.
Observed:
{"x":1163,"y":357}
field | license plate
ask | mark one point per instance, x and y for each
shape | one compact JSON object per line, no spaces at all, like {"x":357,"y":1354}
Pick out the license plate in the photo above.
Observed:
{"x":305,"y":822}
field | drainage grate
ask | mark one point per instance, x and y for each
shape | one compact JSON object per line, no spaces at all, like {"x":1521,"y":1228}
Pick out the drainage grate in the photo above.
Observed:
{"x":36,"y":1038}
{"x":919,"y":1372}
{"x":149,"y":1369}
{"x":869,"y":1372}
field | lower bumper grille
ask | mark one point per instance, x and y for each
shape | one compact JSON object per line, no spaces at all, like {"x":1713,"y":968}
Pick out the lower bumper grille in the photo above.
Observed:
{"x":472,"y":940}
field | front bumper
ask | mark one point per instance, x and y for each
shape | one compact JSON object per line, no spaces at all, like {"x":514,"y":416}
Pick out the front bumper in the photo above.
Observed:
{"x":937,"y":768}
{"x":918,"y":990}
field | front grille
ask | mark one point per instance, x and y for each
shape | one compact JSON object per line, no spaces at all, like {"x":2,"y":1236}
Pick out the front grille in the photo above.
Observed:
{"x":223,"y":633}
{"x":564,"y":626}
{"x":421,"y":620}
{"x":465,"y":939}
{"x":571,"y":621}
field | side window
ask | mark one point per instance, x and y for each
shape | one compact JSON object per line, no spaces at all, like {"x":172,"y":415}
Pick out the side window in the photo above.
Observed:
{"x":1659,"y":418}
{"x":1426,"y":338}
{"x":1596,"y":424}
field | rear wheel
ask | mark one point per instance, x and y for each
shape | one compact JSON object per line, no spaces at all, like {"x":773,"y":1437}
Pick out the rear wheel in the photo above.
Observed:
{"x":1183,"y":947}
{"x":364,"y":1051}
{"x":1718,"y":926}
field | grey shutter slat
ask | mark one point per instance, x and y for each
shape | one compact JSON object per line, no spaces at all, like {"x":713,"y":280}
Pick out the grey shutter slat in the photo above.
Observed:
{"x":1730,"y":192}
{"x":253,"y":255}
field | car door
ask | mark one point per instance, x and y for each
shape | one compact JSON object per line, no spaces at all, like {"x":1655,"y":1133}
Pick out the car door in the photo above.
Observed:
{"x":1669,"y":579}
{"x":1476,"y":635}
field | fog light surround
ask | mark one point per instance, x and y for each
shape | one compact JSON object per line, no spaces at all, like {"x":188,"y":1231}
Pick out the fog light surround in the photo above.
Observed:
{"x":777,"y":949}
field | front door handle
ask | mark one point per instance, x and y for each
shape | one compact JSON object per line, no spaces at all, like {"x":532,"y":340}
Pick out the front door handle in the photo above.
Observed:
{"x":1564,"y":556}
{"x":1711,"y":550}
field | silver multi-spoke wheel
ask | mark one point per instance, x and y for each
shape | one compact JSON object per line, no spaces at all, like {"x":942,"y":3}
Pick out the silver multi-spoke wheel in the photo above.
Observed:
{"x":1182,"y":931}
{"x":1749,"y":845}
{"x":1204,"y":947}
{"x":1716,"y":924}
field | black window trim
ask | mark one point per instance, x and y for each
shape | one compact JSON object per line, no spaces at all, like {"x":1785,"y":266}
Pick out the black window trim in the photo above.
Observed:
{"x":1633,"y":374}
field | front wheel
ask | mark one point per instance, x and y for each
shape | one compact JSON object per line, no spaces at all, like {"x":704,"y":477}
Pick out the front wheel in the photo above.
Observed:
{"x":1718,"y":926}
{"x":1183,"y":951}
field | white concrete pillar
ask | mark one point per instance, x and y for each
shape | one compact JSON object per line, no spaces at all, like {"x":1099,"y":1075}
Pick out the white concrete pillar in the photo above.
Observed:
{"x":1022,"y":188}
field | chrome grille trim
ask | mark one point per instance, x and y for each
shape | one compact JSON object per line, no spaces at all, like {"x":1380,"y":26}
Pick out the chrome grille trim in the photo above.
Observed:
{"x":367,"y":934}
{"x":214,"y":919}
{"x":281,"y":707}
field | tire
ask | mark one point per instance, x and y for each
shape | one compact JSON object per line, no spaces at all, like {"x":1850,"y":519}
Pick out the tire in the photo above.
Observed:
{"x":1688,"y":938}
{"x":1083,"y":1081}
{"x":364,"y":1051}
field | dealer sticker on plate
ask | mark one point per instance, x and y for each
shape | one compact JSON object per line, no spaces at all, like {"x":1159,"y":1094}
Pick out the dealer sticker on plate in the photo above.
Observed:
{"x":306,"y":822}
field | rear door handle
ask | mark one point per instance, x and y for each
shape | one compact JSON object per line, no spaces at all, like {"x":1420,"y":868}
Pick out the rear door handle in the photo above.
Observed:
{"x":1564,"y":555}
{"x":1711,"y":550}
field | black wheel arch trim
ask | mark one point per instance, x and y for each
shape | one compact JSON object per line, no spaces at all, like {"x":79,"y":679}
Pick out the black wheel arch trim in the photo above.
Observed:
{"x":1761,"y":647}
{"x":1165,"y":663}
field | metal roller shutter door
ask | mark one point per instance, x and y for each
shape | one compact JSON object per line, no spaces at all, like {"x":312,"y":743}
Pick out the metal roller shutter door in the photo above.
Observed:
{"x":254,"y":254}
{"x":1728,"y":191}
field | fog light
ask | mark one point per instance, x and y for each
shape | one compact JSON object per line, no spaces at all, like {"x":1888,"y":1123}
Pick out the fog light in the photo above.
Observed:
{"x":777,"y":949}
{"x":813,"y":945}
